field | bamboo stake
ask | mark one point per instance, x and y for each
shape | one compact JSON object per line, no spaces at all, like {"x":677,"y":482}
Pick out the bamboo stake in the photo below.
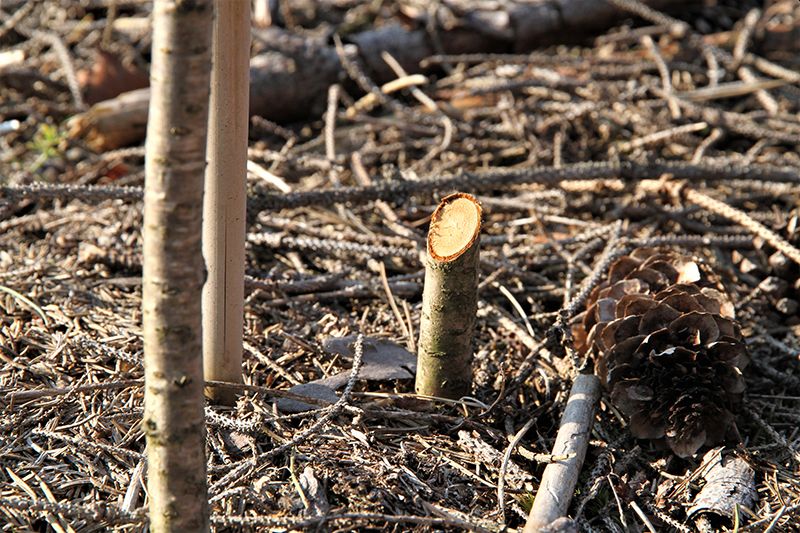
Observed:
{"x":225,"y":199}
{"x":559,"y":478}
{"x":449,"y":299}
{"x":173,"y":271}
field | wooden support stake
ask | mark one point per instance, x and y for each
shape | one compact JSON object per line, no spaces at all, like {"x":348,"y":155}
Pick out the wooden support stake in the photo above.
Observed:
{"x":559,"y":478}
{"x":224,"y":208}
{"x":450,"y":299}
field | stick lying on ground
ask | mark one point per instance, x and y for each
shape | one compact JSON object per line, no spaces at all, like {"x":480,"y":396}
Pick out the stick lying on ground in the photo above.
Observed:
{"x":559,"y":478}
{"x":449,"y":299}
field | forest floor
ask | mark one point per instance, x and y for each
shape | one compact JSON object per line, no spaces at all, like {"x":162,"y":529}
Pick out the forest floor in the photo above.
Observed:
{"x":561,"y":147}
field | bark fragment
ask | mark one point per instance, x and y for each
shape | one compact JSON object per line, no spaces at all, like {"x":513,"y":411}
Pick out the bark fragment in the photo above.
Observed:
{"x":729,"y":481}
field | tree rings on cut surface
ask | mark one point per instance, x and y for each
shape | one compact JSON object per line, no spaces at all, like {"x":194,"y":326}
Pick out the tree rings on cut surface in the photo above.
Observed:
{"x":455,"y":225}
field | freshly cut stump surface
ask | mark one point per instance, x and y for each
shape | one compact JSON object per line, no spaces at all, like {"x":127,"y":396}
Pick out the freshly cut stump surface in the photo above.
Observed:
{"x":455,"y":225}
{"x":450,"y":299}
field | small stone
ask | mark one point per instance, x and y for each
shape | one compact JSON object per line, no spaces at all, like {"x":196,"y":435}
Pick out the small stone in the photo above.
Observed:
{"x":75,"y":154}
{"x":748,"y":267}
{"x":787,"y":306}
{"x":780,"y":264}
{"x":312,"y":390}
{"x":774,"y":286}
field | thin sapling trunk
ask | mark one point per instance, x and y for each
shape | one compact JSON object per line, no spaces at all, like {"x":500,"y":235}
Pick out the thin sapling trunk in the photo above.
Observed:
{"x":173,"y":271}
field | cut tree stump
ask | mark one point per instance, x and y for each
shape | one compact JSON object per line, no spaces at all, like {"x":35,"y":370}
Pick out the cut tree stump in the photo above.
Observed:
{"x":449,"y":299}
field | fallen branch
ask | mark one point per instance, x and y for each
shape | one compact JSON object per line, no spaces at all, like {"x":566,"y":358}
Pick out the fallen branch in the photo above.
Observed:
{"x":559,"y":478}
{"x":288,"y":83}
{"x":398,"y":190}
{"x":743,"y":219}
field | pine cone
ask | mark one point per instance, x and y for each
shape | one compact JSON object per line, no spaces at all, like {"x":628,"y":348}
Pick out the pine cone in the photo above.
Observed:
{"x":663,"y":337}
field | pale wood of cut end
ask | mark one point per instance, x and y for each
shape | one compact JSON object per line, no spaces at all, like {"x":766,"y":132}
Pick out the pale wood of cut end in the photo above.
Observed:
{"x":454,"y":226}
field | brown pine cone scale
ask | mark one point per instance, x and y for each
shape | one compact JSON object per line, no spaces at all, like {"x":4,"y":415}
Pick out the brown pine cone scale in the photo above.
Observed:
{"x":664,"y":340}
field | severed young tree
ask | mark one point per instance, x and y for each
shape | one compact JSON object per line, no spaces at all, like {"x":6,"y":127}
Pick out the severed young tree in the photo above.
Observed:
{"x":173,"y":265}
{"x":449,"y":299}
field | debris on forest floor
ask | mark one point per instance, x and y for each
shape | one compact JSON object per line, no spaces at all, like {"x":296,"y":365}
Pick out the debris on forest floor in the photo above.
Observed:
{"x":643,"y":136}
{"x":729,"y":482}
